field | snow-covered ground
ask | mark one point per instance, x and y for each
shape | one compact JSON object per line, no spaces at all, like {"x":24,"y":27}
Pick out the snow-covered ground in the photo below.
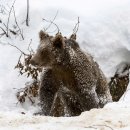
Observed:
{"x":104,"y":32}
{"x":102,"y":119}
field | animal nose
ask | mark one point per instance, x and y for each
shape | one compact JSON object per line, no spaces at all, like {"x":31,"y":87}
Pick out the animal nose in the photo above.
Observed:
{"x":33,"y":62}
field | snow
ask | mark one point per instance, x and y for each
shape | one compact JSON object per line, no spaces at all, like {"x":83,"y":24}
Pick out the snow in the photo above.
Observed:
{"x":102,"y":119}
{"x":104,"y":32}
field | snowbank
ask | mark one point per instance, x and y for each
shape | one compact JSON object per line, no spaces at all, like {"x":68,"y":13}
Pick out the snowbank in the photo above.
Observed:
{"x":99,"y":119}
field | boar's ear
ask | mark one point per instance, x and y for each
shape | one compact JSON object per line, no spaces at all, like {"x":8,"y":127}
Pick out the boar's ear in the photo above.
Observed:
{"x":58,"y":41}
{"x":73,"y":37}
{"x":43,"y":35}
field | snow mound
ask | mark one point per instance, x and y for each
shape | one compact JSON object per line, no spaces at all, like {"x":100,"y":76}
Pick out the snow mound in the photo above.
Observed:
{"x":99,"y":119}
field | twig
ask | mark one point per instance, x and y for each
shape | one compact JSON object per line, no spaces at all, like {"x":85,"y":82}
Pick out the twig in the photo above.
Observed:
{"x":52,"y":21}
{"x":5,"y":25}
{"x":18,"y":49}
{"x":4,"y":32}
{"x":17,"y":24}
{"x":76,"y":27}
{"x":29,"y":47}
{"x":20,"y":57}
{"x":29,"y":44}
{"x":30,"y":99}
{"x":12,"y":31}
{"x":3,"y":9}
{"x":9,"y":17}
{"x":27,"y":17}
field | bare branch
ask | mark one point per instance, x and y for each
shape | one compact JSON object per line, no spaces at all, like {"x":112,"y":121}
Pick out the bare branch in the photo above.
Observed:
{"x":20,"y":57}
{"x":31,"y":99}
{"x":17,"y":24}
{"x":3,"y":10}
{"x":51,"y":22}
{"x":9,"y":18}
{"x":4,"y":32}
{"x":30,"y":48}
{"x":27,"y":17}
{"x":18,"y":49}
{"x":75,"y":30}
{"x":12,"y":31}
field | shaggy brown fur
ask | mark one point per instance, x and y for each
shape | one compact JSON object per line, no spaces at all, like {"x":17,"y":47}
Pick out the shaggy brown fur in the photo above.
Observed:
{"x":72,"y":81}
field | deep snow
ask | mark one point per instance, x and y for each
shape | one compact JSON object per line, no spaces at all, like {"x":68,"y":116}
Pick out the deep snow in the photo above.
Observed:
{"x":104,"y":32}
